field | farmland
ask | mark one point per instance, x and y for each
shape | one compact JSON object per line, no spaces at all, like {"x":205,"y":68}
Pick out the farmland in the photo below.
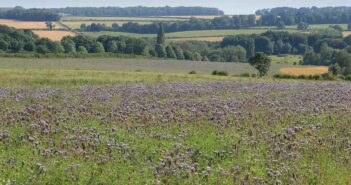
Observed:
{"x":194,"y":132}
{"x":144,"y":65}
{"x":53,"y":34}
{"x":295,"y":71}
{"x":187,"y":34}
{"x":26,"y":24}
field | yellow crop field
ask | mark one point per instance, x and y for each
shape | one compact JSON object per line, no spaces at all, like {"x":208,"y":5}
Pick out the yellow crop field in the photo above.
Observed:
{"x":296,"y":71}
{"x":346,"y":33}
{"x":53,"y":35}
{"x":25,"y":24}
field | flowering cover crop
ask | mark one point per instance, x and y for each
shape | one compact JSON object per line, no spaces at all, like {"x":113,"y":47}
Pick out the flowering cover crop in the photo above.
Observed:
{"x":177,"y":133}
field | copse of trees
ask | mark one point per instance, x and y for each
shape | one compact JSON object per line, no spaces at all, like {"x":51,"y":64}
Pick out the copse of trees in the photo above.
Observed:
{"x":137,"y":11}
{"x":33,"y":14}
{"x":313,"y":15}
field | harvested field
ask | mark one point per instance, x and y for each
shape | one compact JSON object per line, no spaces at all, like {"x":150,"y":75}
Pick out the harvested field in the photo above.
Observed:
{"x":296,"y":71}
{"x":26,"y":24}
{"x":346,"y":33}
{"x":53,"y":35}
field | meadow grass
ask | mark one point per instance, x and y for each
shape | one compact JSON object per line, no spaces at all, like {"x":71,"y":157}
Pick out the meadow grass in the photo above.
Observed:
{"x":144,"y":65}
{"x":52,"y":77}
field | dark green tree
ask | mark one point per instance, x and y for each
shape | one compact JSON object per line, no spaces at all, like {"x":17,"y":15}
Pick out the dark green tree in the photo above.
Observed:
{"x":112,"y":46}
{"x":302,"y":26}
{"x":261,"y":62}
{"x":98,"y":48}
{"x":161,"y":51}
{"x":170,"y":52}
{"x":82,"y":50}
{"x":179,"y":52}
{"x":3,"y":45}
{"x":161,"y":38}
{"x":281,"y":25}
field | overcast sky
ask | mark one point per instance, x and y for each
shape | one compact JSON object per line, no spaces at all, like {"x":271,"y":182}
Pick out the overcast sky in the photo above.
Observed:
{"x":229,"y":6}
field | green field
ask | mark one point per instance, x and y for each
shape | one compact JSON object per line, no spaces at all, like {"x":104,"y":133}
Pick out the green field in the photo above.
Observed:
{"x":145,"y":65}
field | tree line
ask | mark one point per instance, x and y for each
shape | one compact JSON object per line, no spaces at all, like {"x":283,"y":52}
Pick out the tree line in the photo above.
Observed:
{"x":137,"y":11}
{"x":225,"y":22}
{"x":33,"y":14}
{"x":313,"y":15}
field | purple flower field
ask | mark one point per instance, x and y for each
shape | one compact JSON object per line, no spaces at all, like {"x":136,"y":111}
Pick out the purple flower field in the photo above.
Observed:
{"x":177,"y":133}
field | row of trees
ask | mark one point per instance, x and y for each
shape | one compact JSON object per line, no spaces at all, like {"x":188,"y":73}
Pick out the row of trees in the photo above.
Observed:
{"x":225,"y":22}
{"x":33,"y":14}
{"x":137,"y":11}
{"x":277,"y":43}
{"x":313,"y":15}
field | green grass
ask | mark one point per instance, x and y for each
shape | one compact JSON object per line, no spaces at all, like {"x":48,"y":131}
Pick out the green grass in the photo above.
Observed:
{"x":69,"y":78}
{"x":145,"y":65}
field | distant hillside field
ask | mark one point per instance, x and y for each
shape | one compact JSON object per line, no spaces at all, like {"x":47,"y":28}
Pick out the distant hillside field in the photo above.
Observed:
{"x":26,"y":24}
{"x":55,"y":35}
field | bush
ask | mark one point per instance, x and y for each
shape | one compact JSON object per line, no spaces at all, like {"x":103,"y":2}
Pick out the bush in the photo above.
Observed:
{"x":245,"y":75}
{"x":220,"y":73}
{"x":348,"y":77}
{"x":192,"y":72}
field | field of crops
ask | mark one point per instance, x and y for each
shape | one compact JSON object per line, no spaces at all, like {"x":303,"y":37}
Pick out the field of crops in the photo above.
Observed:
{"x":145,"y":65}
{"x":177,"y":133}
{"x":55,"y":35}
{"x":296,"y":71}
{"x":26,"y":24}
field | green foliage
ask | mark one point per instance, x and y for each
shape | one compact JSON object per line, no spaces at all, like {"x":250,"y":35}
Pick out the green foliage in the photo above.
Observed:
{"x":68,"y":45}
{"x":263,"y":44}
{"x":112,"y":46}
{"x":192,"y":72}
{"x":57,"y":48}
{"x":234,"y":54}
{"x":97,"y":47}
{"x":42,"y":49}
{"x":220,"y":73}
{"x":82,"y":50}
{"x":29,"y":46}
{"x":3,"y":45}
{"x":261,"y":62}
{"x":161,"y":51}
{"x":335,"y":69}
{"x":178,"y":52}
{"x":302,"y":26}
{"x":343,"y":59}
{"x":170,"y":52}
{"x":281,"y":25}
{"x":161,"y":38}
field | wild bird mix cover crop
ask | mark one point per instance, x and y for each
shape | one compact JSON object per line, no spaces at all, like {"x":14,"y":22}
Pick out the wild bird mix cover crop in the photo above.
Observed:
{"x":177,"y":133}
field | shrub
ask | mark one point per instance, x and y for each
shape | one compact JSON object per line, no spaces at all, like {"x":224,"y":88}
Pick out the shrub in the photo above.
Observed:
{"x":245,"y":75}
{"x":192,"y":72}
{"x":220,"y":73}
{"x":348,"y":77}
